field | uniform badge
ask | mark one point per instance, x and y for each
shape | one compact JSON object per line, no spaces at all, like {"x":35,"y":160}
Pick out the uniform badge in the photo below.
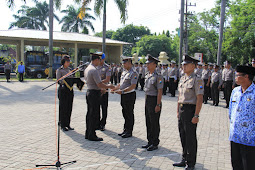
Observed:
{"x":160,"y":81}
{"x":201,"y":87}
{"x":248,"y":99}
{"x":103,"y":69}
{"x":135,"y":77}
{"x":153,"y":78}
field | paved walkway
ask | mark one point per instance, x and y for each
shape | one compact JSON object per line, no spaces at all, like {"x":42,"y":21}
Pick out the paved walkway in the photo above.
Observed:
{"x":28,"y":133}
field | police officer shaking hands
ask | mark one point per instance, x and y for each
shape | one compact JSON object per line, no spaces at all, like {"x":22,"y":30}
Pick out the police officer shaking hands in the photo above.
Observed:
{"x":153,"y":95}
{"x":126,"y":88}
{"x":95,"y":89}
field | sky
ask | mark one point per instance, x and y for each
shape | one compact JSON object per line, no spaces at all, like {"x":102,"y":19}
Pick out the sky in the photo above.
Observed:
{"x":158,"y":16}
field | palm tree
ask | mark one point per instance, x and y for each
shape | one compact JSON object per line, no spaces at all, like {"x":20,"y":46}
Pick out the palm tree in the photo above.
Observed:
{"x":33,"y":17}
{"x":101,"y":5}
{"x":72,"y":23}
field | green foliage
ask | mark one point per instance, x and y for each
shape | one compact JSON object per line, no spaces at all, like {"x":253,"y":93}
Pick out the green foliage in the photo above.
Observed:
{"x":108,"y":34}
{"x":72,"y":23}
{"x":151,"y":44}
{"x":131,"y":34}
{"x":33,"y":17}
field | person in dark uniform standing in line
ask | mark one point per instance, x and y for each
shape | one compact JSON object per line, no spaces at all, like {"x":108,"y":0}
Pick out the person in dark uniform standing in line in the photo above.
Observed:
{"x":65,"y":95}
{"x":228,"y":77}
{"x":210,"y":89}
{"x":141,"y":76}
{"x":126,"y":89}
{"x":206,"y":77}
{"x":215,"y":85}
{"x":119,"y":72}
{"x":190,"y":100}
{"x":82,"y":69}
{"x":153,"y":95}
{"x":7,"y":70}
{"x":164,"y":73}
{"x":93,"y":96}
{"x":105,"y":74}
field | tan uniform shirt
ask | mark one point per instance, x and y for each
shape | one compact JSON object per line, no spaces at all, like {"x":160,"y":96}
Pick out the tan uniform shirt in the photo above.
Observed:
{"x":142,"y":72}
{"x":128,"y":78}
{"x":164,"y":73}
{"x":61,"y":72}
{"x":92,"y":77}
{"x":216,"y":77}
{"x":198,"y":72}
{"x":206,"y":74}
{"x":228,"y":74}
{"x":153,"y":82}
{"x":104,"y":71}
{"x":172,"y":73}
{"x":189,"y":87}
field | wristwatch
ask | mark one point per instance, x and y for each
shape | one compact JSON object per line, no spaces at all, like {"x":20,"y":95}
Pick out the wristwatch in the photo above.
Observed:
{"x":197,"y":116}
{"x":159,"y":105}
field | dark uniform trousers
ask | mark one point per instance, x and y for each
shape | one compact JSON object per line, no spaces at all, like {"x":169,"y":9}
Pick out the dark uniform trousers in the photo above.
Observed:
{"x":93,"y":112}
{"x":7,"y":74}
{"x":152,"y":120}
{"x":172,"y":86}
{"x":206,"y":91}
{"x":242,"y":156}
{"x":210,"y":91}
{"x":127,"y":103}
{"x":141,"y":81}
{"x":21,"y":78}
{"x":104,"y":106}
{"x":187,"y":132}
{"x":118,"y":77}
{"x":228,"y":90}
{"x":65,"y":97}
{"x":215,"y":92}
{"x":165,"y":87}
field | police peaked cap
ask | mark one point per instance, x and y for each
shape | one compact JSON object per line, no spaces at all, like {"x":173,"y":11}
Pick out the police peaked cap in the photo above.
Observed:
{"x":66,"y":58}
{"x":151,"y":59}
{"x":98,"y":55}
{"x":188,"y":59}
{"x":245,"y":69}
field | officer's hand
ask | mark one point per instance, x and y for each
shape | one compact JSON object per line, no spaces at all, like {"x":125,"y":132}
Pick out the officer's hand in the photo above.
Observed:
{"x":111,"y":86}
{"x":103,"y":91}
{"x":118,"y":92}
{"x":195,"y":120}
{"x":175,"y":81}
{"x":219,"y":87}
{"x":178,"y":115}
{"x":157,"y":109}
{"x":223,"y":86}
{"x":207,"y":84}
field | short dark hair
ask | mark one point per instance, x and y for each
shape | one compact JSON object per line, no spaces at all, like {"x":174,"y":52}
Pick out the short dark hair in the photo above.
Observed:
{"x":63,"y":61}
{"x":251,"y":77}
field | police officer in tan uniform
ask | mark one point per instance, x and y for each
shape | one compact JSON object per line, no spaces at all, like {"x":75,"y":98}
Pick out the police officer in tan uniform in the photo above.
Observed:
{"x":198,"y":71}
{"x":153,"y":95}
{"x":164,"y":73}
{"x":172,"y":76}
{"x":216,"y":82}
{"x":206,"y":77}
{"x":141,"y":76}
{"x":65,"y":95}
{"x":105,"y":74}
{"x":126,"y":88}
{"x":228,"y":77}
{"x":93,"y":96}
{"x":191,"y":89}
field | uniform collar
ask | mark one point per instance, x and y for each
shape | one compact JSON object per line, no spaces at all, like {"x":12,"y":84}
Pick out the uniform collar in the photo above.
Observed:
{"x":249,"y":89}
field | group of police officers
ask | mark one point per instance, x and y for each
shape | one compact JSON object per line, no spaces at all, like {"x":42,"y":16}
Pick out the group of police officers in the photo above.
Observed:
{"x":196,"y":85}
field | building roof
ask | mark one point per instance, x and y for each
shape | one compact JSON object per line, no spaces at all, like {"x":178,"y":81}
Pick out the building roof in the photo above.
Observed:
{"x":31,"y":34}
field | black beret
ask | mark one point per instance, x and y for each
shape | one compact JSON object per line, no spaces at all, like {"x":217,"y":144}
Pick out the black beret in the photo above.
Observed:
{"x":245,"y":69}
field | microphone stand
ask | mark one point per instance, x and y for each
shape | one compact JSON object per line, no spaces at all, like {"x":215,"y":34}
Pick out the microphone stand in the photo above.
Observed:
{"x":58,"y":163}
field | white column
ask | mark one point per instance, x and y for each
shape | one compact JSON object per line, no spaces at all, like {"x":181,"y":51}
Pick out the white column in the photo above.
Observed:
{"x":22,"y":50}
{"x":76,"y":55}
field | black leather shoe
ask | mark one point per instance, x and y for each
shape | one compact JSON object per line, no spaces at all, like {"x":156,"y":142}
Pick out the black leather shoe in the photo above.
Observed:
{"x":227,"y":106}
{"x":146,"y":146}
{"x":102,"y":128}
{"x":126,"y":135}
{"x":180,"y":164}
{"x":189,"y":167}
{"x":216,"y":105}
{"x":152,"y":148}
{"x":96,"y":139}
{"x":69,"y":128}
{"x":64,"y":129}
{"x":205,"y":102}
{"x":120,"y":134}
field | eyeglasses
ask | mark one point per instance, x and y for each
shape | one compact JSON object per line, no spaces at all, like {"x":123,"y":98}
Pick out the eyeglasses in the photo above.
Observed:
{"x":239,"y":75}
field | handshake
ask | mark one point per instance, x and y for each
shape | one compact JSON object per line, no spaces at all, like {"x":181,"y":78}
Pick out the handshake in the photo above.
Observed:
{"x":114,"y":89}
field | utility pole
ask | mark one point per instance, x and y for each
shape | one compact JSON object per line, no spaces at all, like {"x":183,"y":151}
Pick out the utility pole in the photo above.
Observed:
{"x":104,"y":28}
{"x":186,"y":27}
{"x":50,"y":38}
{"x":222,"y":20}
{"x":181,"y":31}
